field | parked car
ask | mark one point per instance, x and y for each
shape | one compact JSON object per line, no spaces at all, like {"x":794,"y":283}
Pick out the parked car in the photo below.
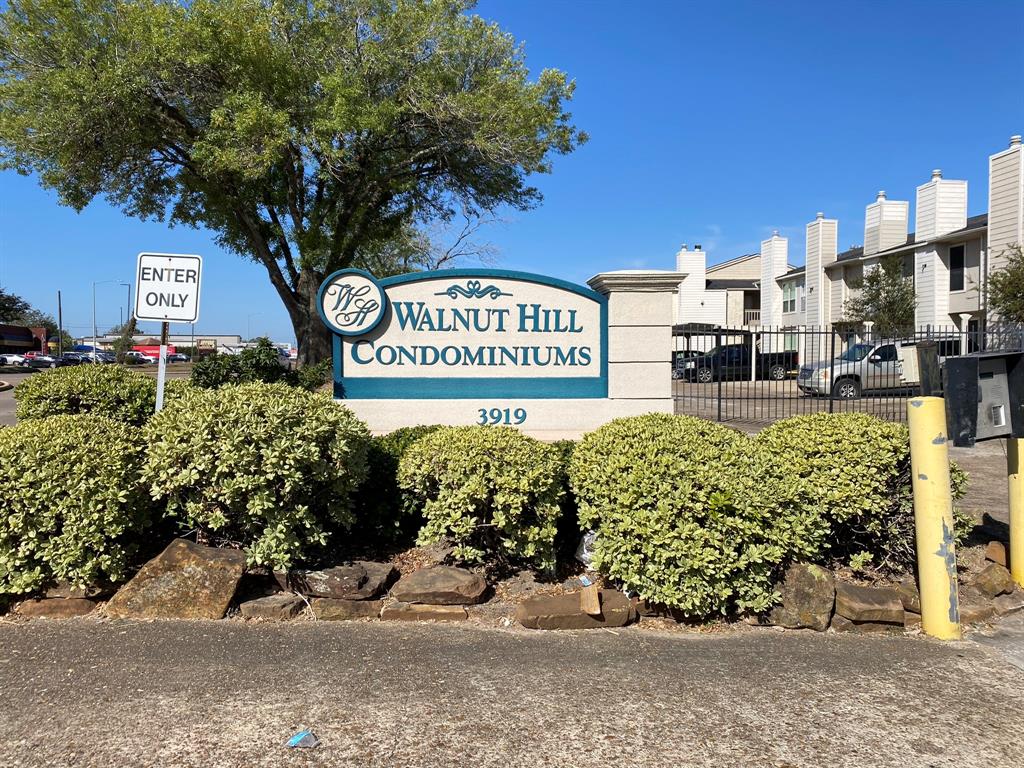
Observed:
{"x":731,"y":362}
{"x":44,"y":361}
{"x":868,"y":367}
{"x":75,"y":358}
{"x":10,"y":358}
{"x":134,"y":356}
{"x":679,"y":359}
{"x":177,"y":357}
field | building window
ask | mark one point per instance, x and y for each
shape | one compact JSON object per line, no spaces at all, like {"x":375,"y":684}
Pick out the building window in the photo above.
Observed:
{"x":789,"y":298}
{"x":956,"y":268}
{"x":803,"y":298}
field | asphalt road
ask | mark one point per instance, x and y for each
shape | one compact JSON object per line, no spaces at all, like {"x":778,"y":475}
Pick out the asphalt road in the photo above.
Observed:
{"x":7,"y":402}
{"x":98,"y":693}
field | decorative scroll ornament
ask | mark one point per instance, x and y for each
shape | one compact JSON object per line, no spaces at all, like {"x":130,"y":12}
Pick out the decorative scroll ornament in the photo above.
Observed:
{"x":473,"y":290}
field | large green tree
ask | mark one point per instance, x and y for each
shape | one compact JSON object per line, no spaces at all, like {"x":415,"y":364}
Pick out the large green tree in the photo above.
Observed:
{"x":12,"y":306}
{"x":308,"y":135}
{"x":885,"y":297}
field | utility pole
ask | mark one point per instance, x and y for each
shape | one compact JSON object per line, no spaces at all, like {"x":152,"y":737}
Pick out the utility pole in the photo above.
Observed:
{"x":60,"y":327}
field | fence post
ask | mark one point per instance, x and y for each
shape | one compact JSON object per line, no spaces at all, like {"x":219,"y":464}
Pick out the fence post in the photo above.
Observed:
{"x":718,"y":343}
{"x":831,"y":369}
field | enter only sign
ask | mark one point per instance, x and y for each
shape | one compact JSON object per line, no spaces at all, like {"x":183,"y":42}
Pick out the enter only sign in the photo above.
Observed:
{"x":167,"y":287}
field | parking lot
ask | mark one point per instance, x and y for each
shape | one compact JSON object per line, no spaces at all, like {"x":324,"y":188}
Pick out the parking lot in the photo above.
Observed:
{"x":761,"y":402}
{"x":8,"y":403}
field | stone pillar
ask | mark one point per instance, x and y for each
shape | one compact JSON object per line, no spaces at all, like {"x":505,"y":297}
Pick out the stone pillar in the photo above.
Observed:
{"x":639,"y":338}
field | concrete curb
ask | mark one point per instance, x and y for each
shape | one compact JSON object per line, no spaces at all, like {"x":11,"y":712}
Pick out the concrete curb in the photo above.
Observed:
{"x":4,"y":386}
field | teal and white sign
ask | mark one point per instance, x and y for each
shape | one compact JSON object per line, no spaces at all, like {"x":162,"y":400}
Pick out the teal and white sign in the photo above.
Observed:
{"x":465,"y":334}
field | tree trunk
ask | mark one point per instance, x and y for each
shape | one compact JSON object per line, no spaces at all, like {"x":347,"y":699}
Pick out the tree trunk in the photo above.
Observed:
{"x":314,"y":341}
{"x":313,"y":336}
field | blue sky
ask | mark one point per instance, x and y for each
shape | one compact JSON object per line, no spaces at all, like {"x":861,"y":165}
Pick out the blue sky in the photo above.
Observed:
{"x":710,"y":123}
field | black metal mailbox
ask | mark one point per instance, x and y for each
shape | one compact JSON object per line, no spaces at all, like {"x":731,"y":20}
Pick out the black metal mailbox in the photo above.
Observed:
{"x":984,"y":396}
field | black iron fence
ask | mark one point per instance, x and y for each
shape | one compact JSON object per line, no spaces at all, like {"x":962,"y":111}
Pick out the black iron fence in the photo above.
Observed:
{"x":760,"y":375}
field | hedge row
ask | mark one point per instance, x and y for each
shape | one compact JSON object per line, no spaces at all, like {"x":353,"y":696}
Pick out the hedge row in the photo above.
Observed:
{"x":686,"y":512}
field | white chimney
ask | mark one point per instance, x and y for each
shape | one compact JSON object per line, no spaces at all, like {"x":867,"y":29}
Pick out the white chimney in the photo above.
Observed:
{"x":1005,"y":202}
{"x":885,"y":224}
{"x":822,"y":249}
{"x":691,"y":290}
{"x":941,"y":207}
{"x":774,"y":264}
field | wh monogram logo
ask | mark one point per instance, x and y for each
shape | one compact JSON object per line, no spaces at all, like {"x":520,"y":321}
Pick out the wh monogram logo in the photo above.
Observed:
{"x":353,"y":304}
{"x":351,"y":307}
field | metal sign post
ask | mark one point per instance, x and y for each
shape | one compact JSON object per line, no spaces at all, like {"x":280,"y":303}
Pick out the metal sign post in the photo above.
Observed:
{"x":161,"y":374}
{"x":167,"y":290}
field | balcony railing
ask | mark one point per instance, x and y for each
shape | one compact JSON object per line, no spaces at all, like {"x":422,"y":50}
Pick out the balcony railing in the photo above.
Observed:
{"x":751,"y":316}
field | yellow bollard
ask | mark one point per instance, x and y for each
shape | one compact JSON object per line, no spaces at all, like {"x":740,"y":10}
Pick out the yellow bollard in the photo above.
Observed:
{"x":933,"y":518}
{"x":1015,"y":481}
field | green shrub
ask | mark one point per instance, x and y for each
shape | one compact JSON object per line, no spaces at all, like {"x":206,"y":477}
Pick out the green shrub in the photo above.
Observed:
{"x":846,"y":477}
{"x":383,"y":517}
{"x":493,"y":491}
{"x":102,"y":390}
{"x":269,"y":466}
{"x":214,"y":371}
{"x":670,"y":498}
{"x":259,"y":363}
{"x":72,"y":503}
{"x":311,"y":376}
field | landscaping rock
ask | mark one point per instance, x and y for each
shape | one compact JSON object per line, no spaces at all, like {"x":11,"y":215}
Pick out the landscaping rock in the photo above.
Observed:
{"x":646,"y":609}
{"x":868,"y":604}
{"x":843,"y":624}
{"x":279,"y":607}
{"x":975,"y":610}
{"x":996,"y":552}
{"x":341,"y":582}
{"x":994,"y":580}
{"x":1010,"y":603}
{"x":564,"y":612}
{"x":970,"y":560}
{"x":416,"y":612}
{"x":911,"y":620}
{"x":378,"y":578}
{"x":67,"y":590}
{"x":808,"y":594}
{"x":56,"y":607}
{"x":909,"y":595}
{"x":330,"y":609}
{"x":440,"y":585}
{"x":185,"y":581}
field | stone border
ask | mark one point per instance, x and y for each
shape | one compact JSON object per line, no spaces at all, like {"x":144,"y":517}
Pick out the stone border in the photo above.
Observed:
{"x":4,"y":386}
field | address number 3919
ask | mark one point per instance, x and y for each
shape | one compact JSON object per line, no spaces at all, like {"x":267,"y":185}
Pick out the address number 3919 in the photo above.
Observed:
{"x":502,"y":416}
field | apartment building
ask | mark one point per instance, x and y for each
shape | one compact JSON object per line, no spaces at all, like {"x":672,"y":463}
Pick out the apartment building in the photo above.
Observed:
{"x":726,"y":294}
{"x":948,"y":255}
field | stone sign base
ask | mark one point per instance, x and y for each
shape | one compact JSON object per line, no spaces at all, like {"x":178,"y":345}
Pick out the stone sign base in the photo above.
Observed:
{"x":544,"y":419}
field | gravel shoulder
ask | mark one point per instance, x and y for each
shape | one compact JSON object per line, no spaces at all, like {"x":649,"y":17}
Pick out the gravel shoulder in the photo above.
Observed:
{"x":87,"y":692}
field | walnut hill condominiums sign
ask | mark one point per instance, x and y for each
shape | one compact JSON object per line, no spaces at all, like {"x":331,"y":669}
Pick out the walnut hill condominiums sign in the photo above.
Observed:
{"x":167,"y":287}
{"x":465,"y":334}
